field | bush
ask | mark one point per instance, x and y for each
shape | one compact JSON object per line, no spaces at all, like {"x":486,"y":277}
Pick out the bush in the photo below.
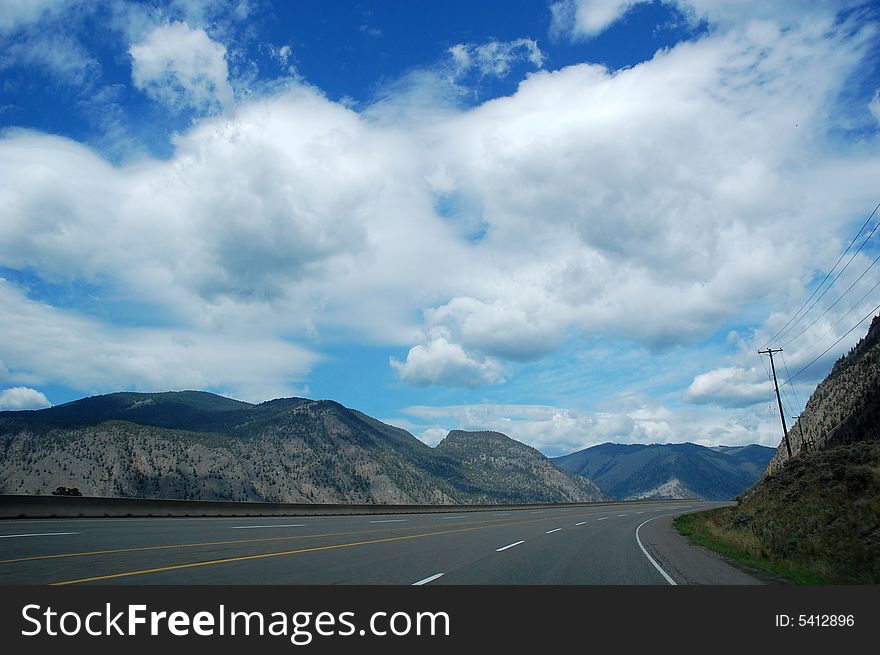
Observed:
{"x":67,"y":491}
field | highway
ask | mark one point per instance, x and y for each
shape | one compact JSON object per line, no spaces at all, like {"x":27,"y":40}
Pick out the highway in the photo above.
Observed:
{"x":606,"y":544}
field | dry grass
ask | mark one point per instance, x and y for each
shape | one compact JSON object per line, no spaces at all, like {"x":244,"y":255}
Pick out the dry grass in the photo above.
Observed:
{"x":816,"y":521}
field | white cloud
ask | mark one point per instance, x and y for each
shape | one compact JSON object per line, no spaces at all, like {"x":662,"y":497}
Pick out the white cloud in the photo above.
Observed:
{"x":433,"y":436}
{"x":586,"y":18}
{"x":20,"y":13}
{"x":644,"y":204}
{"x":59,"y":55}
{"x":559,"y":431}
{"x":810,"y":345}
{"x":182,"y":67}
{"x":18,"y":398}
{"x":494,"y":57}
{"x":43,"y":344}
{"x":729,"y":387}
{"x":520,"y":328}
{"x":580,"y":19}
{"x":441,"y":362}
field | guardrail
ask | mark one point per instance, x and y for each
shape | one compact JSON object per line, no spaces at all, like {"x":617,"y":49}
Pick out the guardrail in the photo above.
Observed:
{"x":17,"y":507}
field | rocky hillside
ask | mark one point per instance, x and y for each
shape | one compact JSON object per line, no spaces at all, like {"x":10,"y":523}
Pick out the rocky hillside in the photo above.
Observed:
{"x":507,"y":469}
{"x":845,"y":407}
{"x":669,"y":470}
{"x":815,"y":517}
{"x":197,"y":445}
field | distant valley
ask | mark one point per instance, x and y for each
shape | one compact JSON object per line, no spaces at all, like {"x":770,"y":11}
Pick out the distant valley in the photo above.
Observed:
{"x":669,"y":470}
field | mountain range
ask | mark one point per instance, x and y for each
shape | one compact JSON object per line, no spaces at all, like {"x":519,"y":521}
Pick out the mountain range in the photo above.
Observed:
{"x":684,"y":470}
{"x":197,"y":445}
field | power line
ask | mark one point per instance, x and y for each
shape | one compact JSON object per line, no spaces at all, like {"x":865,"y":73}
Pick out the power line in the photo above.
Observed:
{"x":785,"y":364}
{"x":784,"y":392}
{"x":785,"y":327}
{"x":837,"y":322}
{"x":831,"y":306}
{"x":770,"y":389}
{"x":871,"y":313}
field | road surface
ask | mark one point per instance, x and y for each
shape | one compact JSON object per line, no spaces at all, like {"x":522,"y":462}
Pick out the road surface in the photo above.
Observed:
{"x":605,"y":544}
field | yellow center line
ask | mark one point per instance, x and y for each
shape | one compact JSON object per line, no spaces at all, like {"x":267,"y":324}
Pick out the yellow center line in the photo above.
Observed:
{"x":242,"y":558}
{"x":204,"y":544}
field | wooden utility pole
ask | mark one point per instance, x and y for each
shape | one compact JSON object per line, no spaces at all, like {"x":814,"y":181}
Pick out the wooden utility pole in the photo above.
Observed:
{"x":810,"y":444}
{"x":770,"y":352}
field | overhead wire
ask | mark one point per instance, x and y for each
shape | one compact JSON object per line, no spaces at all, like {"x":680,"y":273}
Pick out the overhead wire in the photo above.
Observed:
{"x":793,"y":391}
{"x":797,"y":315}
{"x":769,"y":388}
{"x":818,"y":357}
{"x":831,"y":306}
{"x":848,"y":312}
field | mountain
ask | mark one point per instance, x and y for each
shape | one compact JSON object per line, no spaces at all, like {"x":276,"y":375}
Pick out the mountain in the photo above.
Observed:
{"x":669,"y":470}
{"x":845,"y":407}
{"x":198,"y":445}
{"x":508,"y":469}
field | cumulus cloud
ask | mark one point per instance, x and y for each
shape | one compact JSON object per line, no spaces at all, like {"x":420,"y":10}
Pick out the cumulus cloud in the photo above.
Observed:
{"x":18,"y":398}
{"x":519,"y":329}
{"x":180,"y":66}
{"x":729,"y":387}
{"x":442,"y":362}
{"x":643,"y":204}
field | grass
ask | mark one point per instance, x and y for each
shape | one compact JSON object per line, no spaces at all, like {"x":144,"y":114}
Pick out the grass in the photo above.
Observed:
{"x":817,"y":521}
{"x":711,"y":529}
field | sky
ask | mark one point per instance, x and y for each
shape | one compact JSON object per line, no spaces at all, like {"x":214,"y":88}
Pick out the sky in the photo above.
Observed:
{"x":572,"y":221}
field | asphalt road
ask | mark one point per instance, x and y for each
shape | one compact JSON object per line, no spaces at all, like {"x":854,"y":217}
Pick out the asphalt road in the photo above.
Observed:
{"x":620,"y":543}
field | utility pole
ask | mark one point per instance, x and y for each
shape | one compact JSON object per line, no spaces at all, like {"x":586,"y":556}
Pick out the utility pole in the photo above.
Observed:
{"x":770,"y":352}
{"x":806,"y":445}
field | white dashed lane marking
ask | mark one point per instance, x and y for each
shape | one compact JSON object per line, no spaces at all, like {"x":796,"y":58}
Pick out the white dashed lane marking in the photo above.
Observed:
{"x":430,"y":578}
{"x":35,"y":534}
{"x":286,"y":525}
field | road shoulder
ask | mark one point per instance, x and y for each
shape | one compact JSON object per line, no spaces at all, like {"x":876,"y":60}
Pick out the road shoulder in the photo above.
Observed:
{"x":689,"y":564}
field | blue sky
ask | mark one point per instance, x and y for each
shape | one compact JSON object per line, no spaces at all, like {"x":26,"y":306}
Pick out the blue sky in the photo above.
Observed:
{"x":574,"y":221}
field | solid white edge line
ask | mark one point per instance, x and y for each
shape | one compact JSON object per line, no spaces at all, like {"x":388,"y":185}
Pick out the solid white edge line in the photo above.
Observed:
{"x":648,"y":555}
{"x":281,"y":525}
{"x":430,"y":578}
{"x":35,"y":534}
{"x":553,"y":530}
{"x":515,"y":543}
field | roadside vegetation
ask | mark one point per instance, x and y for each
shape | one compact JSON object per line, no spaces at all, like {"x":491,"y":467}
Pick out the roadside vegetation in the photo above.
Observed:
{"x":816,"y":521}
